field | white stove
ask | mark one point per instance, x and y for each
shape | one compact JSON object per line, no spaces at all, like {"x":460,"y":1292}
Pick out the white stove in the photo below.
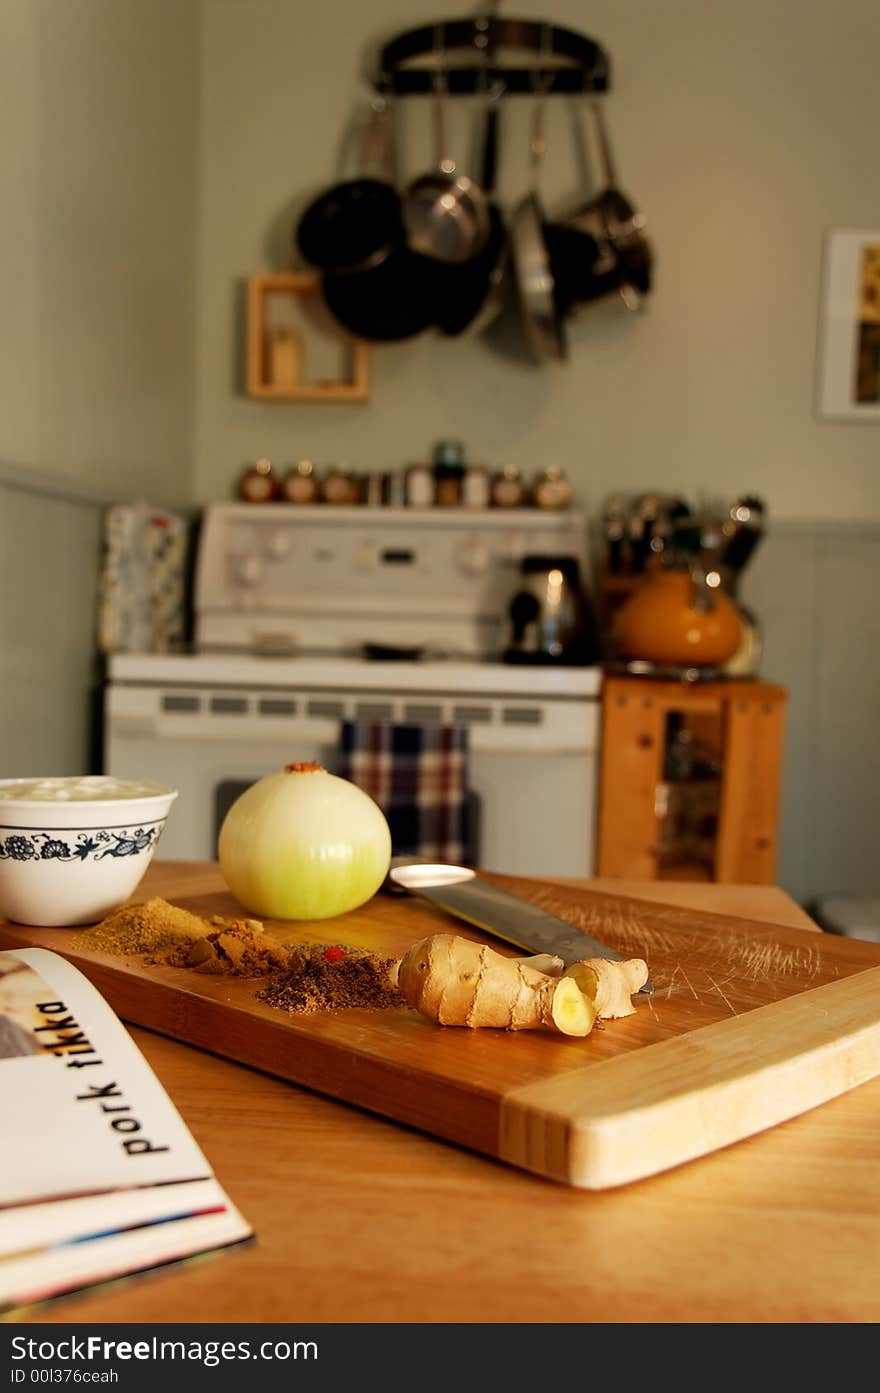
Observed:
{"x":288,"y":604}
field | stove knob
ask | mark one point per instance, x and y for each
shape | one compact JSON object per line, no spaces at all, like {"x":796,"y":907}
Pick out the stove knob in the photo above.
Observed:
{"x":248,"y":569}
{"x":514,"y":546}
{"x":278,"y":545}
{"x":474,"y":557}
{"x":366,"y":558}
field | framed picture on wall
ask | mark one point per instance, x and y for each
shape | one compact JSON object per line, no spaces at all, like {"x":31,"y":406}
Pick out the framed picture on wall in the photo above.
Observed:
{"x":849,"y":341}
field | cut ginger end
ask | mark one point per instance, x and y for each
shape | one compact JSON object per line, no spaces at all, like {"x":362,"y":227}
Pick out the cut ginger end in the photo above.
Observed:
{"x":609,"y":986}
{"x":573,"y":1012}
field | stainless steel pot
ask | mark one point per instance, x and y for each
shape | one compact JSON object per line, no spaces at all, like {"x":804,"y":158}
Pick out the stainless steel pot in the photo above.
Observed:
{"x":445,"y":213}
{"x":624,"y":262}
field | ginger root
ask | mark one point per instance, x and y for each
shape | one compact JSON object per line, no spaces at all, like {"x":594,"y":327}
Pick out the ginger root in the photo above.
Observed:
{"x":609,"y":985}
{"x":456,"y":982}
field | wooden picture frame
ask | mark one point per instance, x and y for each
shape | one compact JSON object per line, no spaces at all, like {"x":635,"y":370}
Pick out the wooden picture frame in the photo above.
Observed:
{"x":274,"y":369}
{"x":848,"y":387}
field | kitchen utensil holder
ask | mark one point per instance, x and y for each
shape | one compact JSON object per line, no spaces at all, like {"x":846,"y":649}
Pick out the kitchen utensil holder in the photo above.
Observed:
{"x":579,"y":64}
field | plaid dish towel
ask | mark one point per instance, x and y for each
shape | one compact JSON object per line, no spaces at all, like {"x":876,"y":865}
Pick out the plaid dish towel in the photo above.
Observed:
{"x":418,"y":774}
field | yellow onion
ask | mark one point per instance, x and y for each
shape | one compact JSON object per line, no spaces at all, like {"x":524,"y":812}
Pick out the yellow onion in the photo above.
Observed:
{"x":304,"y":844}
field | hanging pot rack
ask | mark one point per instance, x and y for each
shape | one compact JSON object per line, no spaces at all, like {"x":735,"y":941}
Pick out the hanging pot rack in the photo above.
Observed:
{"x":564,"y":61}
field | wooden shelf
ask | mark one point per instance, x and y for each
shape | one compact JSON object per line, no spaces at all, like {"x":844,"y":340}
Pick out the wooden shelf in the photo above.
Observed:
{"x":262,"y":382}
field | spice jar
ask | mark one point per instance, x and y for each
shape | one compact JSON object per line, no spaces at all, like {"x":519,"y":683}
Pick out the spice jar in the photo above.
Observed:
{"x":508,"y":489}
{"x":374,"y":488}
{"x":340,"y":486}
{"x":419,"y":486}
{"x":258,"y":483}
{"x":476,"y":487}
{"x":551,"y":489}
{"x":300,"y":484}
{"x":394,"y":488}
{"x":448,"y":473}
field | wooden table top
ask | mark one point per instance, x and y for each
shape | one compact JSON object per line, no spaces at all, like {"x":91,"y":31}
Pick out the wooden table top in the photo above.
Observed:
{"x":359,"y":1219}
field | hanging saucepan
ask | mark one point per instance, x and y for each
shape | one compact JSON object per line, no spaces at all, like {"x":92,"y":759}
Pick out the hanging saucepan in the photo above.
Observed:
{"x":445,"y":213}
{"x":624,"y":264}
{"x":475,"y":290}
{"x":531,"y":259}
{"x":356,"y":224}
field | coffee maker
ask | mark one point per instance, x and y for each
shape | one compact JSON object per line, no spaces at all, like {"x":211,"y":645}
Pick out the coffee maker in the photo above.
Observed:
{"x":551,"y":617}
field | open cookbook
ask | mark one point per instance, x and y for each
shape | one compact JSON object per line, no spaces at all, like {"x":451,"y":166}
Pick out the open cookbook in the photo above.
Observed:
{"x":99,"y":1176}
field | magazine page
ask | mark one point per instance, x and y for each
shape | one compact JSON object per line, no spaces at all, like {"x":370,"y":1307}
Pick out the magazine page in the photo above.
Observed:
{"x":77,"y":1243}
{"x":82,"y":1110}
{"x":34,"y":1229}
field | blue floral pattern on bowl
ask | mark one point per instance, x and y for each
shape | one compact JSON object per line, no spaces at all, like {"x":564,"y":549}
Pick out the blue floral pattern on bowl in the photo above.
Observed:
{"x":23,"y":845}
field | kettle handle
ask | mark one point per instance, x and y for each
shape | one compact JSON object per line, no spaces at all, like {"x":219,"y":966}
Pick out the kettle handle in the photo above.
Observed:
{"x":524,"y":610}
{"x":703,"y":599}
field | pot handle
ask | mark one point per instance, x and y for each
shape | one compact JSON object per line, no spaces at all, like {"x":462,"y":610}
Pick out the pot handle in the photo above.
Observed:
{"x":440,"y":88}
{"x":608,"y":166}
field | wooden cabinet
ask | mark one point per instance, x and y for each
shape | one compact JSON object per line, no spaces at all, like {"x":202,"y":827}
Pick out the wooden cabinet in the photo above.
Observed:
{"x":690,"y":780}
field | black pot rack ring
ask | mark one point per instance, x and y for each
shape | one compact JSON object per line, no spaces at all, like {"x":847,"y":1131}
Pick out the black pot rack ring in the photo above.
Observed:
{"x":579,"y":64}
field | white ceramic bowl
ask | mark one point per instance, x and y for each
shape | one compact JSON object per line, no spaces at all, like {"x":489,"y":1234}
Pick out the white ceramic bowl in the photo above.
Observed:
{"x":77,"y":850}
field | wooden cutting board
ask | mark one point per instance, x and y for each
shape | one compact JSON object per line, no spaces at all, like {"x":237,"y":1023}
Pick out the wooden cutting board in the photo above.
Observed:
{"x":749,"y":1024}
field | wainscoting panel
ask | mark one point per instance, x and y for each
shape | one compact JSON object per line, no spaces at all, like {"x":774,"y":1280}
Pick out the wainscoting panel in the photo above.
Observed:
{"x":814,"y":588}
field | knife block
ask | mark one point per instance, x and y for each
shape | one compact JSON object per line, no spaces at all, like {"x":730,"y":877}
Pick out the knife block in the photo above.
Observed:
{"x":726,"y":813}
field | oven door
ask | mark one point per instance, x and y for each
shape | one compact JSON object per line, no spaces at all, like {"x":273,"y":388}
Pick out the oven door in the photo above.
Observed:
{"x":533,"y":781}
{"x":204,"y":743}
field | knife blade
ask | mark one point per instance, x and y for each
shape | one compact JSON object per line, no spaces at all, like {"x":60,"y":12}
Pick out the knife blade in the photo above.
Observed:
{"x":461,"y":892}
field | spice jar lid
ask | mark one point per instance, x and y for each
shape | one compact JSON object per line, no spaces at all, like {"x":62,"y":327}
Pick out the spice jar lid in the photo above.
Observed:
{"x":449,"y":452}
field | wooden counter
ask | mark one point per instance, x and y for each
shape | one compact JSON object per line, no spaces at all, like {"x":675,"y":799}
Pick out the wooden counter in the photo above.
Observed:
{"x":359,"y":1219}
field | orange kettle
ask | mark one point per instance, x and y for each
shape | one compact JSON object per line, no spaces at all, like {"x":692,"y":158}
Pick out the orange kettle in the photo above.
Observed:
{"x":677,"y":617}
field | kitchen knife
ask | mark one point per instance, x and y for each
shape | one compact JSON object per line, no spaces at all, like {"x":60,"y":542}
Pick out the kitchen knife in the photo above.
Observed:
{"x":461,"y":892}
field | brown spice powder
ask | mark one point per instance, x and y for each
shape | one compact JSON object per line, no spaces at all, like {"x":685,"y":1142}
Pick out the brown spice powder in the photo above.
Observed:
{"x":167,"y":936}
{"x":238,"y":948}
{"x":306,"y":977}
{"x":162,"y":933}
{"x":314,"y":982}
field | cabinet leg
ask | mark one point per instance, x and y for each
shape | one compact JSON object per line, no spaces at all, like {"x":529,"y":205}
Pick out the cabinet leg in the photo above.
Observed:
{"x":747,"y":829}
{"x":633,"y":731}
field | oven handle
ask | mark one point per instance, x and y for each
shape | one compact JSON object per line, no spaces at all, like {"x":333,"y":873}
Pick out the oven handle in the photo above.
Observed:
{"x":220,"y":730}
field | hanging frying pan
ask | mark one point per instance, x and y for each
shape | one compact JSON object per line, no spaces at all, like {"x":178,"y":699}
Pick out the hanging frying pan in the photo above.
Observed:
{"x":476,"y":289}
{"x":355,"y":225}
{"x":391,"y":296}
{"x":534,"y":272}
{"x":395,"y":300}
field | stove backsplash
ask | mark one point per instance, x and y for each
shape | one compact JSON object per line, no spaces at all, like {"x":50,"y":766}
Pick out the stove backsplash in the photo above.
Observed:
{"x":406,"y":583}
